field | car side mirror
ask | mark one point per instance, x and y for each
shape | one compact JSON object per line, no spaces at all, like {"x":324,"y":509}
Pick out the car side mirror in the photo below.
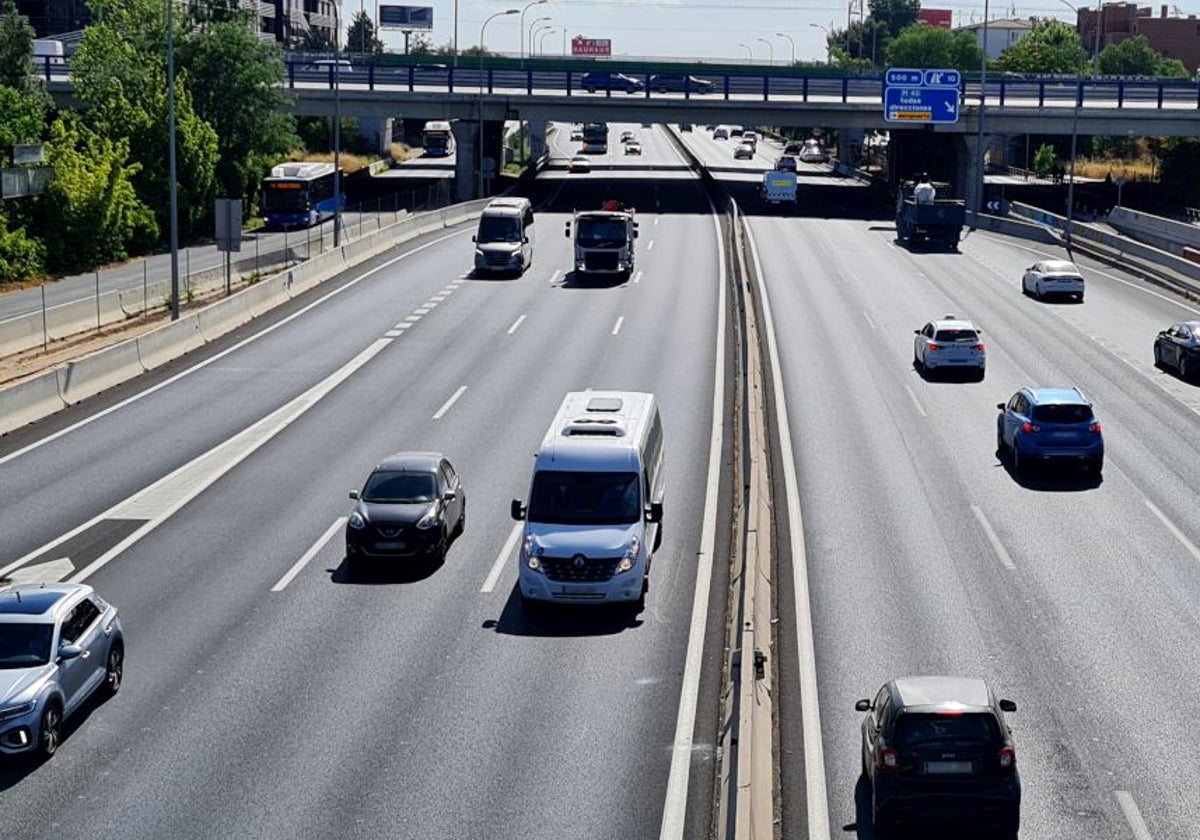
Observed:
{"x":1008,"y":706}
{"x":1000,"y":406}
{"x":69,"y":652}
{"x":474,"y":238}
{"x":517,"y":509}
{"x":654,"y":512}
{"x":525,"y":240}
{"x":862,"y":706}
{"x":916,"y":332}
{"x":449,"y":496}
{"x":354,"y":495}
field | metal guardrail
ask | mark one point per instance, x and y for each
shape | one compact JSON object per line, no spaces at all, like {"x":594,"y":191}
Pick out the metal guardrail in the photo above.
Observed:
{"x":1193,"y":214}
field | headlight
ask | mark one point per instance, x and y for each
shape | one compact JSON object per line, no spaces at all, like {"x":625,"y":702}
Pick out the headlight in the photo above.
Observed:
{"x":631,"y":555}
{"x":356,"y":521}
{"x":530,"y":550}
{"x":16,"y":711}
{"x":429,"y":520}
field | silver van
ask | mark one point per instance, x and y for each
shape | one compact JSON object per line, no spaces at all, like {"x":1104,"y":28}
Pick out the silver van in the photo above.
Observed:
{"x":595,"y":504}
{"x":504,"y":241}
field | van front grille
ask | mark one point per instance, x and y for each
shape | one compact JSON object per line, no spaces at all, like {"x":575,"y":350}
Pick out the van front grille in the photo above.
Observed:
{"x":569,"y":570}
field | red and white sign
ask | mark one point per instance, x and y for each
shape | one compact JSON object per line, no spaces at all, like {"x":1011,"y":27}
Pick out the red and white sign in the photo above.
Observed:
{"x":936,"y":17}
{"x":590,"y":46}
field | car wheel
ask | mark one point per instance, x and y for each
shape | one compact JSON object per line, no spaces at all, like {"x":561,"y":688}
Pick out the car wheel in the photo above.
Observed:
{"x":662,"y":89}
{"x":590,"y":90}
{"x":1158,"y":359}
{"x":1185,"y":368}
{"x":1096,"y":465}
{"x":1001,"y":446}
{"x":1018,"y":463}
{"x":980,"y":374}
{"x":1037,"y":291}
{"x":50,"y":731}
{"x":462,"y":523}
{"x":1079,"y":298}
{"x":114,"y":669}
{"x":918,"y":364}
{"x":658,"y":538}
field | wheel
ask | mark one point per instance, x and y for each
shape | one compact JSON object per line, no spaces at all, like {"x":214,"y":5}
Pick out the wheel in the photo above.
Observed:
{"x":462,"y":523}
{"x":662,"y":89}
{"x":918,"y":364}
{"x":114,"y":669}
{"x":591,"y":90}
{"x":1096,"y":465}
{"x":50,"y":731}
{"x":1024,"y":288}
{"x":1018,"y":463}
{"x":1079,"y":298}
{"x":1037,"y":292}
{"x":980,"y":374}
{"x":658,"y":537}
{"x":1001,"y":446}
{"x":1185,"y":368}
{"x":1158,"y":359}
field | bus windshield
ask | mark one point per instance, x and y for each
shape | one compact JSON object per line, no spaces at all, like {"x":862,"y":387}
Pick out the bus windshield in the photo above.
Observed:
{"x":284,"y":196}
{"x":437,"y":140}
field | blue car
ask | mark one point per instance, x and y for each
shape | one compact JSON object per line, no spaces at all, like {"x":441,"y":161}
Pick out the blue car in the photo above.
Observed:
{"x":1041,"y":424}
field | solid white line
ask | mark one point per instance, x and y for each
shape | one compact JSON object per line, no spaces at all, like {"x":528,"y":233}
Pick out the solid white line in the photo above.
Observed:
{"x":913,"y":396}
{"x":516,"y":325}
{"x":1179,"y":535}
{"x":1133,"y":816}
{"x":321,"y":542}
{"x":211,"y":359}
{"x":555,"y":275}
{"x":502,"y":558}
{"x":993,"y":538}
{"x":816,"y":794}
{"x":870,"y":323}
{"x":637,"y":278}
{"x":617,"y":328}
{"x":675,"y":801}
{"x":446,"y":405}
{"x":650,"y":247}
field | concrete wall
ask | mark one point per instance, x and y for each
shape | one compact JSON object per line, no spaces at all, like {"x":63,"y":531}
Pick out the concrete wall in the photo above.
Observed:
{"x":1165,"y":234}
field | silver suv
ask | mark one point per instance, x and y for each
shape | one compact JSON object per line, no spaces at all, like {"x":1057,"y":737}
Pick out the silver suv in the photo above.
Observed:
{"x":59,"y":643}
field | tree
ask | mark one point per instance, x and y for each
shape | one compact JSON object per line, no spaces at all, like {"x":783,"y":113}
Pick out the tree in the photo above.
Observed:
{"x":1135,"y":57}
{"x":21,"y":258}
{"x":1050,"y":47}
{"x":933,"y":46}
{"x":16,"y":48}
{"x":1180,"y":172}
{"x":361,"y":37}
{"x":862,"y":42}
{"x":896,"y":15}
{"x":22,"y":118}
{"x":237,"y":85}
{"x":1044,"y":159}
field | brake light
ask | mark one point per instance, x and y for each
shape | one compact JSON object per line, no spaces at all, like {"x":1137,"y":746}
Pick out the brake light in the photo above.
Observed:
{"x":887,"y":758}
{"x":934,"y":347}
{"x":1095,"y":427}
{"x":1028,"y":427}
{"x":1008,"y":758}
{"x":980,"y":347}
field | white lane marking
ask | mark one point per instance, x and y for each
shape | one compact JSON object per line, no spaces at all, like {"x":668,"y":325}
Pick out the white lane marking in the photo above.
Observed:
{"x":312,"y":552}
{"x":50,"y":572}
{"x":993,"y":538}
{"x":912,"y":395}
{"x":450,"y":402}
{"x":403,"y":325}
{"x":617,"y":328}
{"x":816,"y":794}
{"x":1133,"y":816}
{"x":516,"y":325}
{"x":393,"y":333}
{"x":675,"y":802}
{"x":424,"y":310}
{"x":650,"y":247}
{"x":412,"y":319}
{"x":637,"y":278}
{"x":438,"y":298}
{"x":501,"y":558}
{"x":1179,"y":535}
{"x":554,"y":277}
{"x":656,"y":218}
{"x":870,"y":323}
{"x":159,"y":501}
{"x":37,"y":444}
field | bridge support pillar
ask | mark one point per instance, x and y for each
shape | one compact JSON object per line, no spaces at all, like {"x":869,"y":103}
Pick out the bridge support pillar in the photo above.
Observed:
{"x":383,"y":134}
{"x":466,"y":162}
{"x":969,"y":169}
{"x":537,"y":139}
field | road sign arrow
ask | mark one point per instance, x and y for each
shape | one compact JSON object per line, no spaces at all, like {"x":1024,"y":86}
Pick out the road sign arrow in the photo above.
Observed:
{"x":50,"y":572}
{"x":951,"y":107}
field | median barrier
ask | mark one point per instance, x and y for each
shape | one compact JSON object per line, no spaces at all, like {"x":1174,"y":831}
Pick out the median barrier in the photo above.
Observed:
{"x":20,"y":333}
{"x":169,"y":342}
{"x":1166,"y":234}
{"x":1012,"y":227}
{"x":264,"y":296}
{"x":30,"y":400}
{"x":224,"y":315}
{"x":99,"y":371}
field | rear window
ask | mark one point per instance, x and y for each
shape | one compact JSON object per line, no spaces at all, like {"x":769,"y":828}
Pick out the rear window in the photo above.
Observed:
{"x":956,"y":335}
{"x":917,"y":729}
{"x":1062,"y":413}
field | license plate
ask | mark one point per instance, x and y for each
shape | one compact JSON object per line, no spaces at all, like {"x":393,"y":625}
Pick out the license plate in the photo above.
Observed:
{"x":389,"y":546}
{"x":1063,"y":435}
{"x":948,"y":767}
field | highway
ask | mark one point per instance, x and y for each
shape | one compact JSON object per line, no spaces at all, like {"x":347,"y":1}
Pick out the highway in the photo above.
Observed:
{"x":428,"y":705}
{"x":926,"y":555}
{"x":266,"y":697}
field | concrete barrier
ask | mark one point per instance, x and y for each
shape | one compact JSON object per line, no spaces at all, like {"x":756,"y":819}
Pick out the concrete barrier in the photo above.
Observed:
{"x":30,"y":400}
{"x":1165,"y":234}
{"x":20,"y":333}
{"x":169,"y":342}
{"x":1012,"y":227}
{"x":99,"y":371}
{"x":223,"y":316}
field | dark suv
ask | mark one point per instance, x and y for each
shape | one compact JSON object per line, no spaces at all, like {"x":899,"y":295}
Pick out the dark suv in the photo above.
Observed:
{"x":680,"y":83}
{"x":937,"y":749}
{"x":592,"y":82}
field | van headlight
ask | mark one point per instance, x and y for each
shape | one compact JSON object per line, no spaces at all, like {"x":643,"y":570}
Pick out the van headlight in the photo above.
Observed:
{"x":630,"y":557}
{"x":530,"y":550}
{"x":356,"y":521}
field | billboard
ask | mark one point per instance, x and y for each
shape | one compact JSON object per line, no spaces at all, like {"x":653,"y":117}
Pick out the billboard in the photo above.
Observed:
{"x":936,"y":17}
{"x":406,"y":17}
{"x":590,"y":46}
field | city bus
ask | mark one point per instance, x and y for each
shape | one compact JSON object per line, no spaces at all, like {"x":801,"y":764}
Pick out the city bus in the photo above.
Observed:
{"x":438,"y":139}
{"x":299,"y":195}
{"x":595,"y":138}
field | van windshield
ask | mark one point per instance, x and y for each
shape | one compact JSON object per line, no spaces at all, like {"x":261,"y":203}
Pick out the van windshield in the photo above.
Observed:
{"x":585,"y":498}
{"x":499,"y":229}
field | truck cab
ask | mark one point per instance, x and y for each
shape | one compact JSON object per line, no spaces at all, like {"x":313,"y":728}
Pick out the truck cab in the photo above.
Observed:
{"x":603,"y":241}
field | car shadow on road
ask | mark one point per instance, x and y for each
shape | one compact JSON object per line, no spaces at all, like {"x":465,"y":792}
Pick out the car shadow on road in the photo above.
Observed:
{"x":863,"y":828}
{"x":947,"y":375}
{"x":562,"y":620}
{"x":382,"y":571}
{"x":1051,"y":478}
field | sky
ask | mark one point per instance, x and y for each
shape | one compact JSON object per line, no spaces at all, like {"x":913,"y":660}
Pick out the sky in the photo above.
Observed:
{"x":701,"y":29}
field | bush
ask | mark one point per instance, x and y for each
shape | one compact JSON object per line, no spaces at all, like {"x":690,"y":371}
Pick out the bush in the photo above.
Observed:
{"x":21,"y":258}
{"x":1043,"y":159}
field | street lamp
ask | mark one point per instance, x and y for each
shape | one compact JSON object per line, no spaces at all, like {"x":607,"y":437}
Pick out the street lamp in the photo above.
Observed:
{"x":171,"y":162}
{"x":337,"y":126}
{"x":534,"y":25}
{"x":790,"y":41}
{"x":542,"y":33}
{"x":454,"y":44}
{"x":982,"y":150}
{"x":770,"y":49}
{"x":523,"y":11}
{"x":749,"y":52}
{"x":483,"y":29}
{"x":828,"y":36}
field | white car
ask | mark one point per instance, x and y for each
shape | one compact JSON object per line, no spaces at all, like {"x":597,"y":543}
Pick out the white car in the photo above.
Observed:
{"x":813,"y":154}
{"x":580,"y":163}
{"x":743,"y":150}
{"x":949,"y":342}
{"x":633,"y":147}
{"x":1053,"y":277}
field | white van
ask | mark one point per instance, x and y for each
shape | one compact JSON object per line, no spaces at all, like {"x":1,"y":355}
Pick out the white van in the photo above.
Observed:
{"x":504,"y":241}
{"x":594,"y":516}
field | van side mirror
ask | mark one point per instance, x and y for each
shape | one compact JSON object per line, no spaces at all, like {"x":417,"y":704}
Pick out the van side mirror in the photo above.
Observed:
{"x":862,"y":706}
{"x":474,"y":238}
{"x":517,"y":509}
{"x":568,"y":231}
{"x":654,"y":512}
{"x":354,"y":495}
{"x":1000,"y":406}
{"x":1008,"y":706}
{"x":916,"y":332}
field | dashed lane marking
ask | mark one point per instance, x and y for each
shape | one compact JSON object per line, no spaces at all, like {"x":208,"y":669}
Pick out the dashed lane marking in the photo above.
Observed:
{"x":312,"y":552}
{"x":449,"y":403}
{"x":989,"y":532}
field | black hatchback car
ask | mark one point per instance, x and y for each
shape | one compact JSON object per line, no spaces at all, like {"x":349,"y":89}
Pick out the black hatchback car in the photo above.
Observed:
{"x":600,"y":80}
{"x":938,"y":750}
{"x":1178,"y":346}
{"x":680,"y":83}
{"x":412,"y":505}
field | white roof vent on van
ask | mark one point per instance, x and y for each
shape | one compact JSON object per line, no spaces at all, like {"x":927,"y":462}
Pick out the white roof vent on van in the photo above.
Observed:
{"x":594,"y":427}
{"x":605,"y":404}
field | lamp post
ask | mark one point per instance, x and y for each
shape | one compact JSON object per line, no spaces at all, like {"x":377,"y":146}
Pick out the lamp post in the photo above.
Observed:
{"x":337,"y":126}
{"x":482,"y":30}
{"x":454,"y":40}
{"x":791,"y":41}
{"x":770,"y":50}
{"x":749,"y":52}
{"x":1099,"y":21}
{"x":828,"y":36}
{"x":171,"y":161}
{"x":534,"y":25}
{"x":979,"y":204}
{"x":541,"y":38}
{"x":523,"y":11}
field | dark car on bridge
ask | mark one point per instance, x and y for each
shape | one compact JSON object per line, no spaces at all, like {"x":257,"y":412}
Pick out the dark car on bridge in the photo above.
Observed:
{"x":938,"y":750}
{"x":592,"y":82}
{"x":680,"y":83}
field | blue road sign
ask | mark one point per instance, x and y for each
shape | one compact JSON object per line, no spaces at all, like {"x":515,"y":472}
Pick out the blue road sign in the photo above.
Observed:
{"x":941,"y":78}
{"x":920,"y":104}
{"x":904,"y":78}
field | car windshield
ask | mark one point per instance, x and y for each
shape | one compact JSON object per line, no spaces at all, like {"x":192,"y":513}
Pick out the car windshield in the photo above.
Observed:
{"x":601,"y":232}
{"x":25,"y":645}
{"x":1060,"y":413}
{"x":914,"y":730}
{"x":399,"y":488}
{"x":956,"y":335}
{"x":499,"y":229}
{"x":585,"y":498}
